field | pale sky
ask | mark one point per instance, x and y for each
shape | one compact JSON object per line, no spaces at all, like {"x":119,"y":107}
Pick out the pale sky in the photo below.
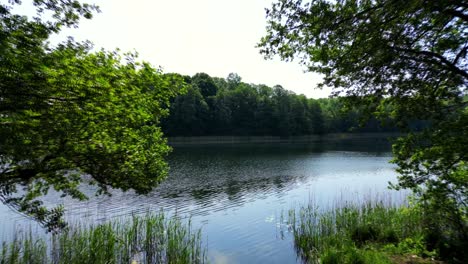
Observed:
{"x":189,"y":36}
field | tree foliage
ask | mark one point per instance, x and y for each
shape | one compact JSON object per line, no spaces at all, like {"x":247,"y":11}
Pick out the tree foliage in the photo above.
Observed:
{"x":68,"y":114}
{"x":239,"y":108}
{"x":409,"y":57}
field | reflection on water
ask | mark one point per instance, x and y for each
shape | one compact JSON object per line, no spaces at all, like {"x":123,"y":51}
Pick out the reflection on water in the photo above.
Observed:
{"x":237,"y":192}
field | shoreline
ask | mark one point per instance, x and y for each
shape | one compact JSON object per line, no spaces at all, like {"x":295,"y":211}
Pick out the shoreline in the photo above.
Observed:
{"x":276,"y":139}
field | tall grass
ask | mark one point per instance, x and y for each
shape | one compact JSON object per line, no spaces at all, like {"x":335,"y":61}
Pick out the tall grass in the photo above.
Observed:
{"x":148,"y":239}
{"x":367,"y":233}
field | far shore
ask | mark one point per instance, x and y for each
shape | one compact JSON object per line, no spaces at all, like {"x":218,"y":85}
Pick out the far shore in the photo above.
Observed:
{"x":275,"y":139}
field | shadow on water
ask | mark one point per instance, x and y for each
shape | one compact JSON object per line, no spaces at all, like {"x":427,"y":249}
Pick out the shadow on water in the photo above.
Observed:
{"x":233,"y":169}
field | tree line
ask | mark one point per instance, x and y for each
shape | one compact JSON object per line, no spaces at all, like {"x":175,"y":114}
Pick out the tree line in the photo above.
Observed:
{"x":228,"y":106}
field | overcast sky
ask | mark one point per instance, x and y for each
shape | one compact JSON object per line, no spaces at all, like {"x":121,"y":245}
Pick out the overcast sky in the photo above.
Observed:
{"x":189,"y":36}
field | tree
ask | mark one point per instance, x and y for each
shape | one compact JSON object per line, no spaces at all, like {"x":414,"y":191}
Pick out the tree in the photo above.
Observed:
{"x":205,"y":84}
{"x":282,"y":111}
{"x":407,"y":56}
{"x":243,"y":102}
{"x":221,"y":114}
{"x":316,"y":117}
{"x":69,"y":115}
{"x":188,"y":114}
{"x":265,"y":121}
{"x":233,"y":80}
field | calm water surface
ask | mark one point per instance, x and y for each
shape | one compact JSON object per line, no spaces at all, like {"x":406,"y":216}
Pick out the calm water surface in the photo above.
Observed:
{"x":237,"y":192}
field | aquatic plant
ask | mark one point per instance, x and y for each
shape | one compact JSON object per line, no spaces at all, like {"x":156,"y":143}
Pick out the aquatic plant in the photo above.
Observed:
{"x":152,"y":238}
{"x":357,"y":233}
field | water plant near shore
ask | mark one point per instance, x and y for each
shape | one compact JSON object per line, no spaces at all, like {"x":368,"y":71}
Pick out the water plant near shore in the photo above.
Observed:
{"x":149,"y":239}
{"x":372,"y":232}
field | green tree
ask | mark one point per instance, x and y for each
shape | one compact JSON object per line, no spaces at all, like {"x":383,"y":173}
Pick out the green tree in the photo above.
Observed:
{"x":316,"y":117}
{"x":407,"y":56}
{"x":188,"y":114}
{"x":233,"y":80}
{"x":243,"y":103}
{"x":264,"y":119}
{"x":282,"y":111}
{"x":221,"y":114}
{"x":70,"y":116}
{"x":205,"y":84}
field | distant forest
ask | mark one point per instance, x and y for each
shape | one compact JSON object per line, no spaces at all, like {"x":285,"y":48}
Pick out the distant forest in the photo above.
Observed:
{"x":218,"y":106}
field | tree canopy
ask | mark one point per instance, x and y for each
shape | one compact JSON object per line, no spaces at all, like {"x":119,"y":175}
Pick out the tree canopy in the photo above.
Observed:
{"x":239,"y":108}
{"x":69,"y":115}
{"x":409,"y":57}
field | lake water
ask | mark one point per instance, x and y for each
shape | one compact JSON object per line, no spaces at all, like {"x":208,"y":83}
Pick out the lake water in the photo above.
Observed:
{"x":237,"y":192}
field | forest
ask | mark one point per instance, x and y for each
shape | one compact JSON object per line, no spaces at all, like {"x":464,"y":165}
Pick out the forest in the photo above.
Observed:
{"x":227,"y":106}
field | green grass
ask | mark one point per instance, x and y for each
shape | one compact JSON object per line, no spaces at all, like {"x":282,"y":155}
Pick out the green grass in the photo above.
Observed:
{"x":148,"y":239}
{"x":372,"y":232}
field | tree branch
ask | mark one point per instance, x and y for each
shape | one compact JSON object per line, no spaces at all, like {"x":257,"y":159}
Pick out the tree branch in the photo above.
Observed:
{"x":452,"y":67}
{"x":460,"y":55}
{"x":456,"y":13}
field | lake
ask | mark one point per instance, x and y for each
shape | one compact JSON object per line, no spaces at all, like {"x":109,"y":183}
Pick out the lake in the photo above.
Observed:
{"x":237,"y":192}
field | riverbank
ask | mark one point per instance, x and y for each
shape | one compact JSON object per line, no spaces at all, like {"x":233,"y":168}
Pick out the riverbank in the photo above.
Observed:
{"x":276,"y":139}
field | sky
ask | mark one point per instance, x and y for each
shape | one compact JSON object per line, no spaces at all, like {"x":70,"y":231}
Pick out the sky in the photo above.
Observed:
{"x":186,"y":36}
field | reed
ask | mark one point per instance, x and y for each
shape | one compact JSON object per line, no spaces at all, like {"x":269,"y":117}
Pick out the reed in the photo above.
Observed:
{"x":148,"y":239}
{"x":371,"y":232}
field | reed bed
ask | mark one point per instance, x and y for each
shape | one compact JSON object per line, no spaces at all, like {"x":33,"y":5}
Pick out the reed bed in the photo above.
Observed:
{"x":148,"y":239}
{"x":371,"y":232}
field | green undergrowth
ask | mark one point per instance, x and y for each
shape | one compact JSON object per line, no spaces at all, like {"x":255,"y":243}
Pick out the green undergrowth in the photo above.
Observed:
{"x":373,"y":232}
{"x":149,"y":239}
